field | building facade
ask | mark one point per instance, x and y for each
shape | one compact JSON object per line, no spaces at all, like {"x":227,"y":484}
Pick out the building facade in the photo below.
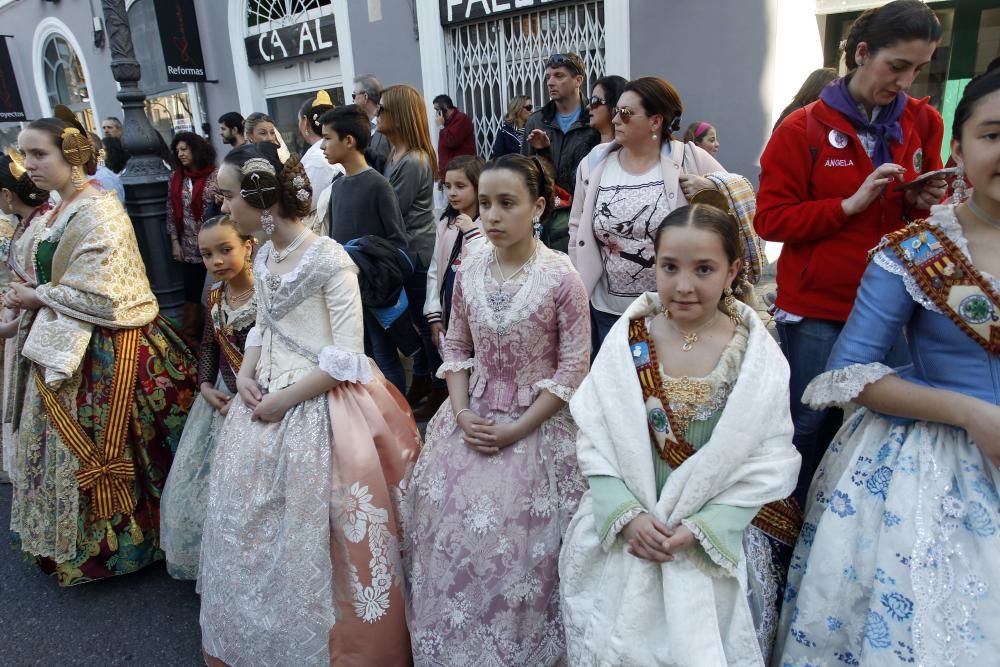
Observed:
{"x":736,"y":63}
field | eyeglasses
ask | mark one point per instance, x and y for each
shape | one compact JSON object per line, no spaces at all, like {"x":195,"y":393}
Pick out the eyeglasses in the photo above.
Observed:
{"x":625,"y":113}
{"x":528,"y":107}
{"x":378,"y":110}
{"x":564,"y":60}
{"x":355,"y":95}
{"x":596,"y":101}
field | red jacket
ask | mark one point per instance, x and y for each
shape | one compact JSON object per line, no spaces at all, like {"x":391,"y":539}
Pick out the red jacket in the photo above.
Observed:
{"x":456,"y":138}
{"x":825,"y":251}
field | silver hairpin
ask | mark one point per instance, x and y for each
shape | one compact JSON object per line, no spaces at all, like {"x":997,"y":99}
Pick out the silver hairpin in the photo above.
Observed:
{"x":299,"y":182}
{"x":258,"y":164}
{"x":302,"y":195}
{"x":257,"y":190}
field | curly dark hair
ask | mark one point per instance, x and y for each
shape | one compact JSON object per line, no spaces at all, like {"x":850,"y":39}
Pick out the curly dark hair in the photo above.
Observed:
{"x":202,"y":151}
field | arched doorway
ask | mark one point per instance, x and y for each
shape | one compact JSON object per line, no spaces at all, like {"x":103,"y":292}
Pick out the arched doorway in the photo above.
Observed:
{"x":65,"y":80}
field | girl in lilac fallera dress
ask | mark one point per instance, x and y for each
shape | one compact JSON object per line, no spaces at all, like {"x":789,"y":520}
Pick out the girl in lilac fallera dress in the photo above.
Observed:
{"x":497,"y":481}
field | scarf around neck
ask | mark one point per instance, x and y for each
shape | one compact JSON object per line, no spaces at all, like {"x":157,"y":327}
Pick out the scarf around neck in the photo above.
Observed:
{"x":885,"y":128}
{"x":198,"y":179}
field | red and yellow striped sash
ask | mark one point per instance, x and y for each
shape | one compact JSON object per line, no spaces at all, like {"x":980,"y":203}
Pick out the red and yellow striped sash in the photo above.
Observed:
{"x":104,"y":471}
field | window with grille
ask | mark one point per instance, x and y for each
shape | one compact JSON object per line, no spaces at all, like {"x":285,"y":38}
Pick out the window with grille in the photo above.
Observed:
{"x":491,"y":61}
{"x":277,"y":13}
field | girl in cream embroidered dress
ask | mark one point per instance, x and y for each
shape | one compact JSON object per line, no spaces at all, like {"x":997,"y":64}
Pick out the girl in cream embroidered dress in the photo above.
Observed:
{"x":484,"y":531}
{"x":300,"y":555}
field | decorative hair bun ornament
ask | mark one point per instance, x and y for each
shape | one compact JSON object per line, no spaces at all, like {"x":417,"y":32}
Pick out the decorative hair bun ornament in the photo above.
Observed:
{"x":258,"y":164}
{"x":16,"y":164}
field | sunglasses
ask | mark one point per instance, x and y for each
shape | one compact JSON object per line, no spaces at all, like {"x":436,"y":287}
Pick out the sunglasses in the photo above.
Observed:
{"x":528,"y":107}
{"x":355,"y":96}
{"x":596,"y":101}
{"x":563,"y":60}
{"x":625,"y":113}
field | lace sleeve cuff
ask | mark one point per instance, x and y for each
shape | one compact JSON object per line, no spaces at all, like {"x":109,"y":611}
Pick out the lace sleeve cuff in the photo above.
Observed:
{"x":454,"y":367}
{"x":624,"y":516}
{"x":725,"y":564}
{"x":254,"y":338}
{"x":560,"y":391}
{"x":345,"y":366}
{"x":841,"y":386}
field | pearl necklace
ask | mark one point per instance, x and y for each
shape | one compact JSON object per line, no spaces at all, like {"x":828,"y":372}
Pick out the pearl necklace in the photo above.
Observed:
{"x":981,"y":214}
{"x":281,"y":255}
{"x":690,"y":338}
{"x":232,"y":299}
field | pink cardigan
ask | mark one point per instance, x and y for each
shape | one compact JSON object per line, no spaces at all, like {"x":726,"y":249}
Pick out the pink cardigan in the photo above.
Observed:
{"x":584,"y":250}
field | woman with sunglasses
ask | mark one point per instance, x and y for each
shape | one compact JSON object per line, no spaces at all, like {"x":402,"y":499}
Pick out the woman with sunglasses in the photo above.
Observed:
{"x":511,"y":134}
{"x":624,"y":189}
{"x":603,"y":99}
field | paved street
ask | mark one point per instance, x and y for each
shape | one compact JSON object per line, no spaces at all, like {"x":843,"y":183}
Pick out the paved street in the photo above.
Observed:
{"x":144,"y":619}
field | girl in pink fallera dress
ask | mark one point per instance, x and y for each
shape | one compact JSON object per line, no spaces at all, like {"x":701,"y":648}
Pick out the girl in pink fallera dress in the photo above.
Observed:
{"x":497,"y":482}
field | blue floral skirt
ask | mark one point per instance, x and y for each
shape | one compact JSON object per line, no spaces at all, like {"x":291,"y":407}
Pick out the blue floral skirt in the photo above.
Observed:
{"x":898,"y":561}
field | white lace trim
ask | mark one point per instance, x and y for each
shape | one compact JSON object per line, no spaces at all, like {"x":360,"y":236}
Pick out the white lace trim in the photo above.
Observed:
{"x":723,"y":566}
{"x":455,"y":366}
{"x":912,"y":288}
{"x":542,"y":274}
{"x":255,"y":337}
{"x":841,"y":386}
{"x":344,"y":365}
{"x":618,"y":525}
{"x":560,"y":391}
{"x":260,"y":261}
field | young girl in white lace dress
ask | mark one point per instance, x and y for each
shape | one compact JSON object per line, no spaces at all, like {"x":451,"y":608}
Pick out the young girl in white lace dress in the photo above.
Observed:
{"x":300,"y":561}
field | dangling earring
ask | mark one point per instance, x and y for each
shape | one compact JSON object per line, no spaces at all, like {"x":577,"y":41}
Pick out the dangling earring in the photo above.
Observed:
{"x":79,"y":178}
{"x":536,"y":225}
{"x":654,"y":135}
{"x":959,"y":191}
{"x":666,"y":312}
{"x":730,"y":307}
{"x":267,"y":222}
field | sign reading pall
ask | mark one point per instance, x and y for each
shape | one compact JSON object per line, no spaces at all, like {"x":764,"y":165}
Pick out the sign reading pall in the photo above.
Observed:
{"x":459,"y":11}
{"x":300,"y":39}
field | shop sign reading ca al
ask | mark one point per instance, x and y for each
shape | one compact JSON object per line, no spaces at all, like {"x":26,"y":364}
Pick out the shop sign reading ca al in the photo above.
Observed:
{"x":299,"y":39}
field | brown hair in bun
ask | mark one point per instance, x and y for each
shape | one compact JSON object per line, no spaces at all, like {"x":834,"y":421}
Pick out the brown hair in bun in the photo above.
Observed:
{"x":296,"y":190}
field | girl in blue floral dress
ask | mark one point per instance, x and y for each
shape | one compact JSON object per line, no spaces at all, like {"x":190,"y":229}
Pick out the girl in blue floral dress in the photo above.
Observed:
{"x":897,"y":561}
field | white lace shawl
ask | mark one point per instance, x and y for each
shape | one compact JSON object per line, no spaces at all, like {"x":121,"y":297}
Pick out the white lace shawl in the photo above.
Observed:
{"x":619,"y":609}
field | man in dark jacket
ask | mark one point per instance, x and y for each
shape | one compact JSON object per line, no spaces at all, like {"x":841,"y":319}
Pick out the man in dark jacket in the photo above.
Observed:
{"x":457,"y":136}
{"x":560,"y":131}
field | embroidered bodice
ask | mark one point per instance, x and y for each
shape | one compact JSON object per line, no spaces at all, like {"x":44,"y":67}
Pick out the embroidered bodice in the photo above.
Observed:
{"x":698,"y":399}
{"x":528,"y":334}
{"x":234,"y":324}
{"x":943,"y":355}
{"x":309,"y":317}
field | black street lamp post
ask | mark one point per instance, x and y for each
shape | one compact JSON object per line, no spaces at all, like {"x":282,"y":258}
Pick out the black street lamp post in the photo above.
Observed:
{"x":145,"y":178}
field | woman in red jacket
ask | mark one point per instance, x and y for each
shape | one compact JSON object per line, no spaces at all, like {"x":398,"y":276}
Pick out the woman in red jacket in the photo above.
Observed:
{"x":827,"y":191}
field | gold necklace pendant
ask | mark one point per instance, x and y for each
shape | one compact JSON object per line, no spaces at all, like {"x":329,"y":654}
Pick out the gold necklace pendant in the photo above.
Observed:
{"x":689,"y":341}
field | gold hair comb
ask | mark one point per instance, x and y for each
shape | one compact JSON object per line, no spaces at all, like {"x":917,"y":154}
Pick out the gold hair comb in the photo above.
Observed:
{"x":16,"y":165}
